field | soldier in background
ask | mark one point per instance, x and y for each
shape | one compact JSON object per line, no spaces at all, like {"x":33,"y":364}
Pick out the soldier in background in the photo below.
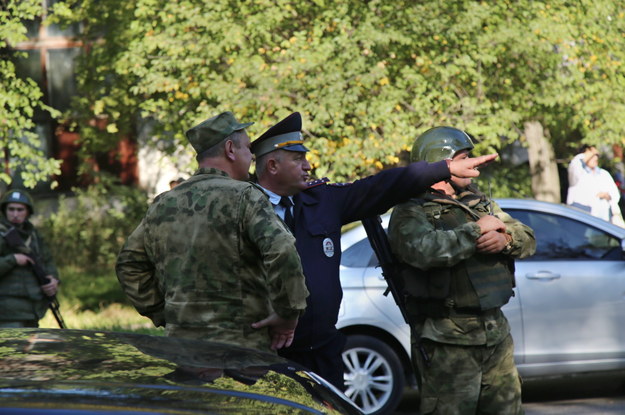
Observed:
{"x":459,"y":248}
{"x":210,"y":258}
{"x":23,"y":299}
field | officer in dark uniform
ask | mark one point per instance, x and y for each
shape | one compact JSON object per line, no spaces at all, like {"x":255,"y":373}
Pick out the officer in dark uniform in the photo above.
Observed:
{"x":315,"y":212}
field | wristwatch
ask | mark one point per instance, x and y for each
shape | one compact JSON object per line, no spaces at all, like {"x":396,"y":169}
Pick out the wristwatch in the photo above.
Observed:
{"x":508,"y":246}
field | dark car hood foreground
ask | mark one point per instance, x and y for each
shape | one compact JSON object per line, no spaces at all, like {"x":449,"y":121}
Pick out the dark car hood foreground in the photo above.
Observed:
{"x":88,"y":372}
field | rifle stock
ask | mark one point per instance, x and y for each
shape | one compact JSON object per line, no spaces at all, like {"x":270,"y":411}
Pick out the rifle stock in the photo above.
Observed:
{"x":388,"y":263}
{"x":14,"y":240}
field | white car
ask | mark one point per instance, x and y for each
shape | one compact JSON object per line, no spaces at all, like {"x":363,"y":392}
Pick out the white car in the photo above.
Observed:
{"x":567,"y":315}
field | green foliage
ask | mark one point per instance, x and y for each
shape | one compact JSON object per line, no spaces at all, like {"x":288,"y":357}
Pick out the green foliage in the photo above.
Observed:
{"x":88,"y":230}
{"x":505,"y":181}
{"x":367,"y":76}
{"x":19,"y":100}
{"x":90,"y":289}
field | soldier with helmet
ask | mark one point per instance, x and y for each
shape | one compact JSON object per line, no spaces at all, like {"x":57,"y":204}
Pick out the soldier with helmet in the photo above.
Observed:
{"x":459,"y":249}
{"x":23,"y":301}
{"x":315,"y":212}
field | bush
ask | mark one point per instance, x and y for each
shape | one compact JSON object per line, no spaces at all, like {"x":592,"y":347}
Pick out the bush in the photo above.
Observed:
{"x":90,"y":290}
{"x":88,"y":230}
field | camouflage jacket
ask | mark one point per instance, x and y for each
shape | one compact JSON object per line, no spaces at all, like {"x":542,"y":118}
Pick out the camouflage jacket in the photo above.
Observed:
{"x":417,"y":240}
{"x":210,"y":258}
{"x":21,"y":297}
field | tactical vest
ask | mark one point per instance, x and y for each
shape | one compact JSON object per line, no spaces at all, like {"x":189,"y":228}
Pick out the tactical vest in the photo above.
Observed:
{"x":481,"y":282}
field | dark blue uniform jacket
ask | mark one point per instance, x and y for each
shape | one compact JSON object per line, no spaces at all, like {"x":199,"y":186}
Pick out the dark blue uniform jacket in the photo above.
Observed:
{"x":320,"y":211}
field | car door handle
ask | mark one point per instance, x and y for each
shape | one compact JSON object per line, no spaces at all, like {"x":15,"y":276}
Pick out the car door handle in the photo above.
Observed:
{"x":542,"y":275}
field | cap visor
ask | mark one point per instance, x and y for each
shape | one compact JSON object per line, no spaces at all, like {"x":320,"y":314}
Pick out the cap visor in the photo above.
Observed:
{"x":295,"y":147}
{"x":243,"y":126}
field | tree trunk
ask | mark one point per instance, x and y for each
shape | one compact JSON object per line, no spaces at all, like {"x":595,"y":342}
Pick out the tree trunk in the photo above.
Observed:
{"x":543,"y":167}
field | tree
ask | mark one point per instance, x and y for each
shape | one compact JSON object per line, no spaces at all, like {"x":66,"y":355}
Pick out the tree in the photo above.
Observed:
{"x":19,"y":100}
{"x":367,"y":76}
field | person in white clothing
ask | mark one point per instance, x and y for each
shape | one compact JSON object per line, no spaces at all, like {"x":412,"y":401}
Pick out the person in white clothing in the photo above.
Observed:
{"x":592,"y":188}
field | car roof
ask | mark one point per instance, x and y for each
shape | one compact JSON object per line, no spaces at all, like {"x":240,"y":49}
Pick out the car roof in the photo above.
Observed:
{"x":561,"y":210}
{"x":357,"y":233}
{"x":97,"y":371}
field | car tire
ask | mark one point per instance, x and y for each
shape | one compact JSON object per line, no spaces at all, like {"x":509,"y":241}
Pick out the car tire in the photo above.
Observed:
{"x":374,"y":377}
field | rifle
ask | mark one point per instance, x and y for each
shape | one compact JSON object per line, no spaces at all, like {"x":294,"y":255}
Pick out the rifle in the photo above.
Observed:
{"x":390,"y":271}
{"x":14,"y":240}
{"x":388,"y":263}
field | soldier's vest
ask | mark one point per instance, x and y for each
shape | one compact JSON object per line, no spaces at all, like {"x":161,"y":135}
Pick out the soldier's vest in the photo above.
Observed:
{"x":30,"y":242}
{"x":481,"y":282}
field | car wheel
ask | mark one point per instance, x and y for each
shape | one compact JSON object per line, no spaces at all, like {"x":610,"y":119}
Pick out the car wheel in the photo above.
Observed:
{"x":374,"y":377}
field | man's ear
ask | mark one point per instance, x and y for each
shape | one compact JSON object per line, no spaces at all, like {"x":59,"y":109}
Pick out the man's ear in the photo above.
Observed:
{"x":272,"y":165}
{"x":229,"y":150}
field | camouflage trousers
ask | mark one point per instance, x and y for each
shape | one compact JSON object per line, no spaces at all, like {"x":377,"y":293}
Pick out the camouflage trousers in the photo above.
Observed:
{"x":463,"y":380}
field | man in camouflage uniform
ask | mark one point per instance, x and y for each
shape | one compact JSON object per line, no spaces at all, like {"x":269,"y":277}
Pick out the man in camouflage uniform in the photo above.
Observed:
{"x":211,"y":260}
{"x":23,"y":299}
{"x":459,"y":248}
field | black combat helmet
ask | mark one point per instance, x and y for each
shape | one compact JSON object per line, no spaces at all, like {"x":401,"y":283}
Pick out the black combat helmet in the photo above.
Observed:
{"x":16,"y":196}
{"x":440,"y":143}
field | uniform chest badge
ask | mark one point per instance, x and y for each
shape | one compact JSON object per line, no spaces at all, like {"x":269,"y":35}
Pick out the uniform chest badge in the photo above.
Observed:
{"x":328,"y":247}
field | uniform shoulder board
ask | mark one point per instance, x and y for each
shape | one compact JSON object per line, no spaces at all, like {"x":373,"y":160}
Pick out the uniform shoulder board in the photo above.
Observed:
{"x":339,"y":184}
{"x":317,"y":182}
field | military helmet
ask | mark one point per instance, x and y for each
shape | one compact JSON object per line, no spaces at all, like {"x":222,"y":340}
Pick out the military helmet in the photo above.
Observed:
{"x":440,"y":143}
{"x":16,"y":196}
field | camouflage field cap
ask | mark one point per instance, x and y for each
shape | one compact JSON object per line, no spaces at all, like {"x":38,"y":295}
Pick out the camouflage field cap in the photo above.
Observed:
{"x":285,"y":135}
{"x":212,"y":131}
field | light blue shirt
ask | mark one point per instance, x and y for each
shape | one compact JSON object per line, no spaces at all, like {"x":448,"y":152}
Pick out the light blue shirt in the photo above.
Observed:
{"x":274,"y":198}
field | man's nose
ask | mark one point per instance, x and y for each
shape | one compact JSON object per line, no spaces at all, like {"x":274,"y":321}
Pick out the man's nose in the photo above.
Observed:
{"x":306,"y":165}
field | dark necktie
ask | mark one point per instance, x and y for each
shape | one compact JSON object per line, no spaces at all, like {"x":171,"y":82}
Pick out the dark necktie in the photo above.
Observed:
{"x":286,"y":203}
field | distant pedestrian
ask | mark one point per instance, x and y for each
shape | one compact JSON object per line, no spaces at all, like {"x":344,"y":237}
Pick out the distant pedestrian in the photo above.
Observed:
{"x":175,"y":183}
{"x":592,"y":188}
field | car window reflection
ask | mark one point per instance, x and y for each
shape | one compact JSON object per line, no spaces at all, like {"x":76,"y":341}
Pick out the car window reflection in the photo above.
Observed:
{"x":359,"y":255}
{"x":558,"y":237}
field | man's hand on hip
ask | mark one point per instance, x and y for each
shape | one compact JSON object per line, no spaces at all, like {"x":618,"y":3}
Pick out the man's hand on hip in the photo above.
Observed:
{"x":281,"y":331}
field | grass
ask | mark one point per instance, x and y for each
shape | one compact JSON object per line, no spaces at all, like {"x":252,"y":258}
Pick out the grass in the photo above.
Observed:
{"x":94,"y":300}
{"x":113,"y":317}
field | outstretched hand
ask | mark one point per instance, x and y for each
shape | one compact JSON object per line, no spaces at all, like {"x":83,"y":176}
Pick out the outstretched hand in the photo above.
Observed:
{"x":468,"y":167}
{"x":281,"y":331}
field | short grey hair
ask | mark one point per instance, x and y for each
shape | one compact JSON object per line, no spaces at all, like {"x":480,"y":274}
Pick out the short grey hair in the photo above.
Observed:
{"x":261,"y":162}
